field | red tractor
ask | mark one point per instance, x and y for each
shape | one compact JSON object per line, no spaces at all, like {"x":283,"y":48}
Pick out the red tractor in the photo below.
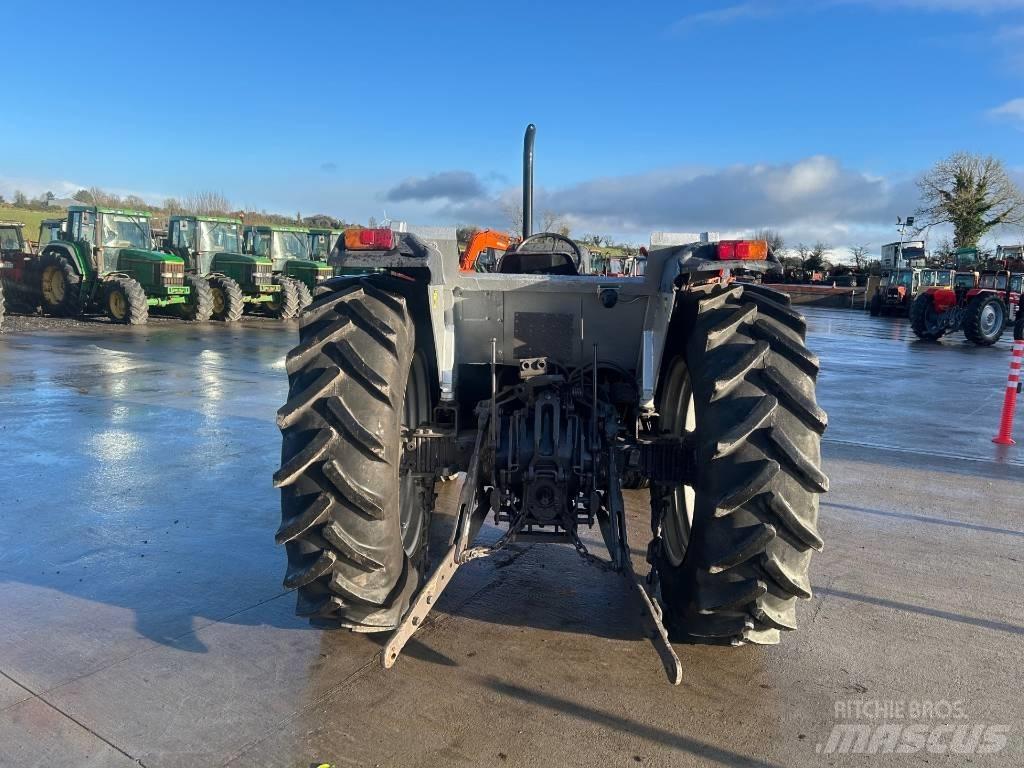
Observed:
{"x":980,"y":306}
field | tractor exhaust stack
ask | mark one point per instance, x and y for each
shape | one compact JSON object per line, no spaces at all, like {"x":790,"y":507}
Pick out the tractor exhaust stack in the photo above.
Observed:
{"x":531,"y":132}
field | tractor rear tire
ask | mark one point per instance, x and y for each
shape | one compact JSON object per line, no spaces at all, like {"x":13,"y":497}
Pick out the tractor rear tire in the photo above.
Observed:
{"x":199,"y":307}
{"x":60,"y":286}
{"x":876,"y":305}
{"x":732,"y":552}
{"x":286,"y":306}
{"x":227,"y":297}
{"x":124,"y":301}
{"x":924,"y":319}
{"x":305,"y":297}
{"x":985,"y":319}
{"x":354,"y":517}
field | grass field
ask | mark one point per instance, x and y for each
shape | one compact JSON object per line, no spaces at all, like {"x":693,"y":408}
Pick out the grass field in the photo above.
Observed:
{"x":30,"y":219}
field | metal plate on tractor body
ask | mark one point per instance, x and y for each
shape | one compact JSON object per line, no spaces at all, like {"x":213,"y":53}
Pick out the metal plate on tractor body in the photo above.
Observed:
{"x":536,"y":315}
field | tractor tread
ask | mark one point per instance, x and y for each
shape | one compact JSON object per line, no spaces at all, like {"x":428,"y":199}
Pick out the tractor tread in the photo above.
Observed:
{"x":354,"y":495}
{"x":288,"y":305}
{"x":234,"y":299}
{"x":730,"y":595}
{"x":301,"y":522}
{"x":364,"y":438}
{"x":754,"y":526}
{"x":299,"y":463}
{"x":804,"y":467}
{"x":802,"y":529}
{"x":302,"y":571}
{"x":742,"y":548}
{"x":199,"y":307}
{"x":360,"y":371}
{"x":364,"y":317}
{"x":752,"y":357}
{"x":754,"y":484}
{"x":808,"y":411}
{"x":134,"y":296}
{"x":296,"y":406}
{"x":795,"y":352}
{"x":760,"y":414}
{"x":782,"y":313}
{"x":779,"y":297}
{"x":312,"y":346}
{"x":721,"y":333}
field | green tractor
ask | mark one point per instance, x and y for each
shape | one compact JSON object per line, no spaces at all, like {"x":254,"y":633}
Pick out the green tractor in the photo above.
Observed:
{"x":104,"y":259}
{"x":289,"y":249}
{"x":211,"y":246}
{"x":321,"y":242}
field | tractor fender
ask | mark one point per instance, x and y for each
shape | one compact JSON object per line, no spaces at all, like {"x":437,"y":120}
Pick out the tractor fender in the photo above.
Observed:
{"x":69,"y":252}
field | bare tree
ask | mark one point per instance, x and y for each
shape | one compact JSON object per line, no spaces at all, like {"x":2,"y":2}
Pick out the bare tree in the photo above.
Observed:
{"x":861,"y":256}
{"x":553,"y":222}
{"x":815,"y":258}
{"x":135,"y":203}
{"x":971,"y":192}
{"x":514,"y":212}
{"x":208,"y":203}
{"x":776,"y":244}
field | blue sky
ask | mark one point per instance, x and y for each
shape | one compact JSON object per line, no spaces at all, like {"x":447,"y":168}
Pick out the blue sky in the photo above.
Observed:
{"x":812,"y":117}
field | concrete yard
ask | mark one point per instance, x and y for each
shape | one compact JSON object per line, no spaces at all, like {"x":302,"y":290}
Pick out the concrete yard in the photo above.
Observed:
{"x":143,"y":619}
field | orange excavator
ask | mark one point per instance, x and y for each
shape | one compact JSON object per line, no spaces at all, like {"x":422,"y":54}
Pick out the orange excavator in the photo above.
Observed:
{"x":483,"y":241}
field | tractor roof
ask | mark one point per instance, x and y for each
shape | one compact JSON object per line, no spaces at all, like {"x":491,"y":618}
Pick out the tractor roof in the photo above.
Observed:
{"x":115,"y":211}
{"x":12,"y":224}
{"x":204,"y":217}
{"x":277,"y":228}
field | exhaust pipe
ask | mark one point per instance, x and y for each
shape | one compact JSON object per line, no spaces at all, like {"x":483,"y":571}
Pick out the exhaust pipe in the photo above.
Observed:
{"x":531,"y":132}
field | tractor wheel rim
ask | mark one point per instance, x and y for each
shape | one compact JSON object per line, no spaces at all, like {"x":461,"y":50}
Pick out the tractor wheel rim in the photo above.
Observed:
{"x":681,"y":420}
{"x":991,"y":319}
{"x":118,"y":305}
{"x":218,"y":301}
{"x":53,"y":285}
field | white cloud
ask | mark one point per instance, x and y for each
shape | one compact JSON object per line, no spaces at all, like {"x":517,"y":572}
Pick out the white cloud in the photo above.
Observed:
{"x":814,"y":198}
{"x":719,"y":16}
{"x":955,"y":6}
{"x":1013,"y":110}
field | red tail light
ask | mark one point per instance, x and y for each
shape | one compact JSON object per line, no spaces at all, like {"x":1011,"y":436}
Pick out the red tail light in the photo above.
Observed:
{"x":382,"y":239}
{"x":746,"y":250}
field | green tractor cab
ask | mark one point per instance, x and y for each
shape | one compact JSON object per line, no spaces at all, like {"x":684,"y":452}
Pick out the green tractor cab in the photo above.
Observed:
{"x":103,"y":259}
{"x":321,"y":242}
{"x":289,"y":250}
{"x":211,"y":246}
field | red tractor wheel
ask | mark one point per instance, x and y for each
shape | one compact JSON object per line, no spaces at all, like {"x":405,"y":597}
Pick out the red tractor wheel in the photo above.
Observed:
{"x":985,"y":319}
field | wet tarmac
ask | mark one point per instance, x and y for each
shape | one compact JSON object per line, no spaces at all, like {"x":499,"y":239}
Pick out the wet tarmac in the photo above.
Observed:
{"x":142,"y":618}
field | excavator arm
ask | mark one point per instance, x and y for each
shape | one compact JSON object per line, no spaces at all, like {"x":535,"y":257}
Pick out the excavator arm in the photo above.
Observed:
{"x":480,"y":242}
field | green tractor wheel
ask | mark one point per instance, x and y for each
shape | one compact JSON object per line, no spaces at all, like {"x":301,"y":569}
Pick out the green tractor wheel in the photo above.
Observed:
{"x":305,"y":297}
{"x":124,"y":301}
{"x":60,"y":286}
{"x":228,"y":300}
{"x":199,"y":307}
{"x":285,"y":304}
